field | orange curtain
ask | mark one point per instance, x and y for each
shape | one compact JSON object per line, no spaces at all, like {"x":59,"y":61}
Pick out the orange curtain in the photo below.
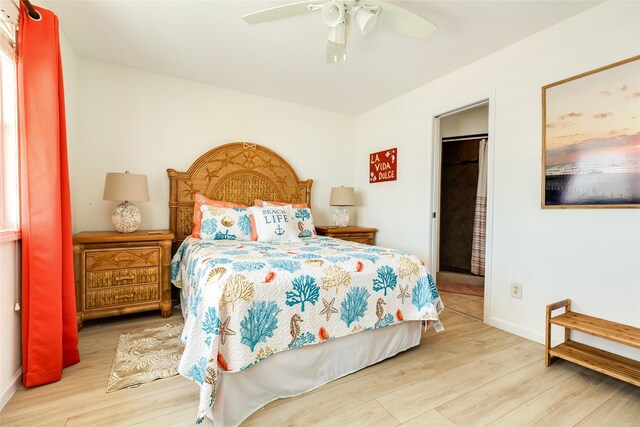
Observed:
{"x":49,"y":329}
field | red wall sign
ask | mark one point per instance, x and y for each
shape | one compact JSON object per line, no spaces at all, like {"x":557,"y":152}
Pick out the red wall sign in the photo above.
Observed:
{"x":383,"y":166}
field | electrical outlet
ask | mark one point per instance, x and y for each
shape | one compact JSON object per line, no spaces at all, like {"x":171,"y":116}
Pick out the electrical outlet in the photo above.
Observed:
{"x":516,"y":290}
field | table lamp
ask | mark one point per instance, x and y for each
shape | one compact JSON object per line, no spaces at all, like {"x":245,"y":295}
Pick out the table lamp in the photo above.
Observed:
{"x":126,"y":187}
{"x":341,"y":197}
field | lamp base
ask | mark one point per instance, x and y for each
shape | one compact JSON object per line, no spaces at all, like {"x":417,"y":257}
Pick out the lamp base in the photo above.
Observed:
{"x":341,"y":217}
{"x":126,"y":217}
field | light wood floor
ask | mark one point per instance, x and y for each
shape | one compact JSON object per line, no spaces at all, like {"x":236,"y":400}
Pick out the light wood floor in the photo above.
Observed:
{"x":470,"y":305}
{"x":469,"y":375}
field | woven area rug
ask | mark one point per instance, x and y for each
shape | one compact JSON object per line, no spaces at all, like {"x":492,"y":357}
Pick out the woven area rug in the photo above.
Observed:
{"x":146,"y":355}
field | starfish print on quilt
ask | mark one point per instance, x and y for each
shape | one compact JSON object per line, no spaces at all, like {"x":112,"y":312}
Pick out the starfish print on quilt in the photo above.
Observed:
{"x":328,"y":308}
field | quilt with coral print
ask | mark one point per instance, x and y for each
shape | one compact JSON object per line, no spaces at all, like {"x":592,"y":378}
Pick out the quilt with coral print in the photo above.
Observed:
{"x":245,"y":301}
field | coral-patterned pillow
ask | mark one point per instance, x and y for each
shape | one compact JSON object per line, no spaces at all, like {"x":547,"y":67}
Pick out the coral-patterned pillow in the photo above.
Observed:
{"x":197,"y":213}
{"x":227,"y":224}
{"x":304,"y":222}
{"x":265,"y":203}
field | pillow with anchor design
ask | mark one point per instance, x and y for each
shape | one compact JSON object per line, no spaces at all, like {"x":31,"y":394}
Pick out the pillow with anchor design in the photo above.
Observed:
{"x":302,"y":218}
{"x":219,"y":223}
{"x":275,"y":224}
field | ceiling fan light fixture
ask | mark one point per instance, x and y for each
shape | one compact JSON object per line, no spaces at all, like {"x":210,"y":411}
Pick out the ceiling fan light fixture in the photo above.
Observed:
{"x":338,"y":34}
{"x":338,"y":14}
{"x":333,"y":14}
{"x":366,"y":20}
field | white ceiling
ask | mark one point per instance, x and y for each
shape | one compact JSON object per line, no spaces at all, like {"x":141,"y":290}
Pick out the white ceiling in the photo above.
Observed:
{"x":208,"y":42}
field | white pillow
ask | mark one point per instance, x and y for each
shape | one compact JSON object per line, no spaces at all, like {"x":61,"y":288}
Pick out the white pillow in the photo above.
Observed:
{"x":275,"y":224}
{"x":225,"y":223}
{"x":302,"y":219}
{"x":304,"y":222}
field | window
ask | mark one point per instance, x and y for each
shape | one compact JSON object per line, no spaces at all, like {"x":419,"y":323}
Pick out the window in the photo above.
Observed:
{"x":9,"y":170}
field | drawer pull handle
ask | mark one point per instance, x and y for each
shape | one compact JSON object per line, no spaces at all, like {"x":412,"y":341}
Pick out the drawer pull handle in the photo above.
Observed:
{"x":124,"y":258}
{"x":123,"y":296}
{"x":124,"y":278}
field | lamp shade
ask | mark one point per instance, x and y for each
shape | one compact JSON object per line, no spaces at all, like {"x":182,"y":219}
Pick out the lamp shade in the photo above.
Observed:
{"x":333,"y":14}
{"x":125,"y":186}
{"x":342,"y":196}
{"x":366,"y":20}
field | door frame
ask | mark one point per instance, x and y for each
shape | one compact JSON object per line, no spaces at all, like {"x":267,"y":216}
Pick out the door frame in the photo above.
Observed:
{"x":434,"y":214}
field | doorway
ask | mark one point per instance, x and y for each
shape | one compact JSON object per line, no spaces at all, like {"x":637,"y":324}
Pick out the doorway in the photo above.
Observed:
{"x":461,"y":178}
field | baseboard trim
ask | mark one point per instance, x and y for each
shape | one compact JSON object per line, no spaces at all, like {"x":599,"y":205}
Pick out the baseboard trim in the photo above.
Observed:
{"x":10,"y":389}
{"x":515,"y":329}
{"x":532,"y":335}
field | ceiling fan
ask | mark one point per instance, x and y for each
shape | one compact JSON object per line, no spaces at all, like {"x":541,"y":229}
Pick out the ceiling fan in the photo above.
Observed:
{"x":338,"y":14}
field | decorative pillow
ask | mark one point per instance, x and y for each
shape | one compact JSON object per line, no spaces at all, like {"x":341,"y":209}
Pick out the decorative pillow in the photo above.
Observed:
{"x":226,"y":223}
{"x":275,"y":224}
{"x":263,"y":203}
{"x":200,"y":200}
{"x":303,"y":220}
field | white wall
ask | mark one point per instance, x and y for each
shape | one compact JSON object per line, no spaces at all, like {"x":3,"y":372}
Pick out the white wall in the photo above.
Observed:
{"x":70,"y":72}
{"x":473,"y":121}
{"x":10,"y":372}
{"x":145,"y":123}
{"x":589,"y":255}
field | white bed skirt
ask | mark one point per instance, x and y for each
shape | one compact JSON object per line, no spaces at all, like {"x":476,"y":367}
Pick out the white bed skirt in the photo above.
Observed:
{"x":297,"y":371}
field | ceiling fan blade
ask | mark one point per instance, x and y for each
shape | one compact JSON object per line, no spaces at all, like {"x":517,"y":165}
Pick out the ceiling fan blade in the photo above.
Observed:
{"x":280,"y":12}
{"x":335,"y":52}
{"x":404,"y":22}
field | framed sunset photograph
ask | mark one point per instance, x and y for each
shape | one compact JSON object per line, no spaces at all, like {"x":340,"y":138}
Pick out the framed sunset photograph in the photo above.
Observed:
{"x":591,"y":139}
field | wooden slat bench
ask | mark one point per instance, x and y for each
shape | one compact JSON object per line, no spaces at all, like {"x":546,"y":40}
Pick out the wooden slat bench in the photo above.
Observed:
{"x":620,"y":367}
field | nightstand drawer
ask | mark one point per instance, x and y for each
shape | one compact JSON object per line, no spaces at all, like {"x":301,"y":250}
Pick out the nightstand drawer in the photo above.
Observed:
{"x":122,"y":277}
{"x":364,"y":235}
{"x":366,"y":238}
{"x":118,"y":258}
{"x":122,"y":295}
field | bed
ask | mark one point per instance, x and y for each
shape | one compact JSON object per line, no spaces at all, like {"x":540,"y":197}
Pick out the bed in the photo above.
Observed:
{"x":271,"y":320}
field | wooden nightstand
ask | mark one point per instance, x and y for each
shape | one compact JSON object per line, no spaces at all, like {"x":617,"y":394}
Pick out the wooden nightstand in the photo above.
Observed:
{"x":354,"y":234}
{"x":121,"y":273}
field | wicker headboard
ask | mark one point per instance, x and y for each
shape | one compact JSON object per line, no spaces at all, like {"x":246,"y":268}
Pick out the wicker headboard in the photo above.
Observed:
{"x":238,"y":172}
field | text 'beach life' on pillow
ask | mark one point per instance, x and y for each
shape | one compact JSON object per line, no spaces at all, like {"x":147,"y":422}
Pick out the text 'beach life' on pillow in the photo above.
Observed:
{"x":303,"y":220}
{"x":275,"y":224}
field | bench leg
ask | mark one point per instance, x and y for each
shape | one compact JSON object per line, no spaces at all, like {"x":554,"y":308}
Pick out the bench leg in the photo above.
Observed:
{"x":547,"y":342}
{"x":548,"y":359}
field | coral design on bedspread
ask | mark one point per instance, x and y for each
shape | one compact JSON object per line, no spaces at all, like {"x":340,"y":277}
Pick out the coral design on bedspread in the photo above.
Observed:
{"x":245,"y":302}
